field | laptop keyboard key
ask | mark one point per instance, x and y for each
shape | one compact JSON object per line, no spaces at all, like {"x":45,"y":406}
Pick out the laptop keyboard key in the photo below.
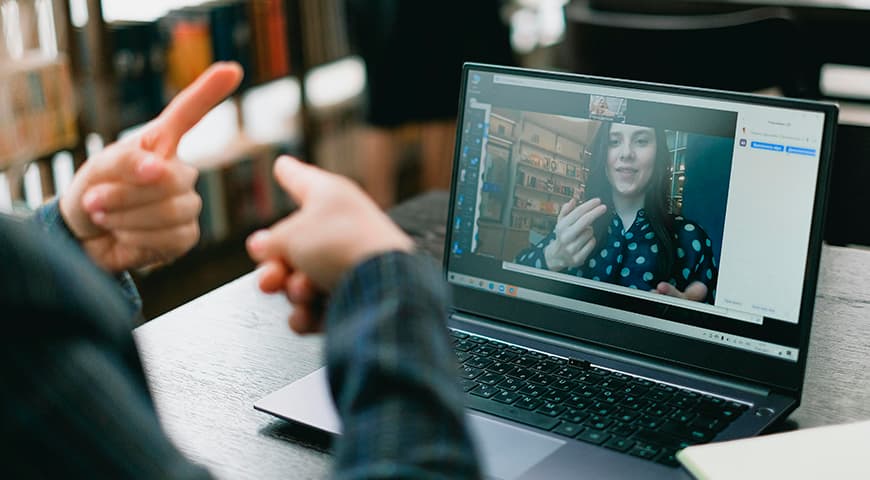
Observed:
{"x":500,"y":367}
{"x":504,"y":356}
{"x":484,"y":391}
{"x":596,"y":437}
{"x":555,"y":396}
{"x":525,"y":362}
{"x":490,"y":378}
{"x":622,"y":429}
{"x":506,"y":397}
{"x":544,"y":367}
{"x":562,"y":384}
{"x":533,"y":390}
{"x":568,"y":429}
{"x":597,"y":422}
{"x":568,"y":372}
{"x":511,"y":384}
{"x":478,"y":362}
{"x":668,"y":458}
{"x":574,"y":416}
{"x":643,"y":452}
{"x":551,"y":409}
{"x":528,"y":403}
{"x":470,"y":372}
{"x":521,"y":373}
{"x":619,"y":444}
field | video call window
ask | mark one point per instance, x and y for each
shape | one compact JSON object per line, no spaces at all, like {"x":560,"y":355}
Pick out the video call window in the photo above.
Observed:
{"x":637,"y":206}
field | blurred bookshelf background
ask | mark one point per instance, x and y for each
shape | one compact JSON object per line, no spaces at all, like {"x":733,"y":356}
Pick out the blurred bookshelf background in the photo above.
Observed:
{"x":76,"y":75}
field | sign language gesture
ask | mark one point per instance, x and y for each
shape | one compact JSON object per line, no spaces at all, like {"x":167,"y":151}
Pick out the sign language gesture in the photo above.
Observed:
{"x":336,"y":228}
{"x":574,"y":239}
{"x":134,"y":203}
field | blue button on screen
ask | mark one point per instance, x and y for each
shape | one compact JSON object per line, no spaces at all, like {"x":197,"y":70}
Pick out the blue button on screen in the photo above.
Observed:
{"x":773,"y":147}
{"x":801,"y":151}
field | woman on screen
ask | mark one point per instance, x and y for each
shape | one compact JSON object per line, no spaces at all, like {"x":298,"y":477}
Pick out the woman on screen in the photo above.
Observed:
{"x":624,"y":233}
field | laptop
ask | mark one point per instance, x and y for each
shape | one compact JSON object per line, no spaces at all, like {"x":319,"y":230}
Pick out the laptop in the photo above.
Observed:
{"x":633,"y":269}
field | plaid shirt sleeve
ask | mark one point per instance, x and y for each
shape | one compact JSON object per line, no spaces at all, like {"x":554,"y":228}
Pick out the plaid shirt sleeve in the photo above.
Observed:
{"x":392,"y":372}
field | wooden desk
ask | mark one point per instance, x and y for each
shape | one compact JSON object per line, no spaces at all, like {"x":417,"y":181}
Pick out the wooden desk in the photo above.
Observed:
{"x":209,"y":360}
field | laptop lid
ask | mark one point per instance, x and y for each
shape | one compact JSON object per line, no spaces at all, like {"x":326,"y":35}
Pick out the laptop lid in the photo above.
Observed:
{"x":587,"y":207}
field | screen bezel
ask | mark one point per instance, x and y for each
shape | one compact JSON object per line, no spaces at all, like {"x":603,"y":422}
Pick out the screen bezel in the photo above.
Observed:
{"x":774,"y":373}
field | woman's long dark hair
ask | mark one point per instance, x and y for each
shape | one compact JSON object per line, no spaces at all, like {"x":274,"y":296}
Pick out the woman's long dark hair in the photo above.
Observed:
{"x":655,"y":201}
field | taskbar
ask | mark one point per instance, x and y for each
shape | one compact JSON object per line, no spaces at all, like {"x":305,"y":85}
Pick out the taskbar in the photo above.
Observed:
{"x":636,"y":319}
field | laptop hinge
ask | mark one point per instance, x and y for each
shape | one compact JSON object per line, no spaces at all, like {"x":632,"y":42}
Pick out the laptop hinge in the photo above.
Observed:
{"x":612,"y":354}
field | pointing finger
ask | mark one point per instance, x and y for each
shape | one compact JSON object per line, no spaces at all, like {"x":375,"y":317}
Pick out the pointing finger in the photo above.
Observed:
{"x":299,"y":179}
{"x":162,"y":135}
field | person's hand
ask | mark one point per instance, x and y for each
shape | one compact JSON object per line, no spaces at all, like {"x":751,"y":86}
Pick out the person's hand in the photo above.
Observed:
{"x":336,"y":228}
{"x":696,"y":291}
{"x":575,"y":238}
{"x":132,"y":204}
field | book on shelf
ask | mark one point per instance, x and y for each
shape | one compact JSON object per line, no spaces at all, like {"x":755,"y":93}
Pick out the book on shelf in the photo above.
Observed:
{"x":37,"y":108}
{"x":270,"y":39}
{"x":238,"y":190}
{"x":139,"y":63}
{"x":188,"y":46}
{"x":324,"y":32}
{"x":232,"y":34}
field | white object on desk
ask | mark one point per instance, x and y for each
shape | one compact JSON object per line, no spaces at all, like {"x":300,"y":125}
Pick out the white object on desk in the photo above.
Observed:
{"x":839,"y":451}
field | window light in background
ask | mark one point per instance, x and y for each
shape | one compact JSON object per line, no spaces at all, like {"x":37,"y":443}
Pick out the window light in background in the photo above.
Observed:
{"x":33,"y":187}
{"x":62,"y":169}
{"x":45,"y":28}
{"x":212,"y":135}
{"x":12,"y":28}
{"x":847,"y":81}
{"x":270,"y":111}
{"x":149,"y":10}
{"x":537,"y":23}
{"x":94,"y":144}
{"x":335,"y":83}
{"x":5,"y":195}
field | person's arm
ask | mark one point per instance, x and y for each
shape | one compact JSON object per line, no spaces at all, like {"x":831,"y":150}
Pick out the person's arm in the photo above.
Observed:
{"x":392,"y":372}
{"x":48,"y":218}
{"x":533,"y":256}
{"x":75,"y":402}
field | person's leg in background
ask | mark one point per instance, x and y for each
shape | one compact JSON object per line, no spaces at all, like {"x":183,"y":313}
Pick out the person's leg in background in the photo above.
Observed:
{"x":437,"y":139}
{"x":379,"y":170}
{"x":414,"y":53}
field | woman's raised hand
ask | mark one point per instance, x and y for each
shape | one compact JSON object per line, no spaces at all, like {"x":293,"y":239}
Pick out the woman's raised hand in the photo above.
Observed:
{"x":575,"y":238}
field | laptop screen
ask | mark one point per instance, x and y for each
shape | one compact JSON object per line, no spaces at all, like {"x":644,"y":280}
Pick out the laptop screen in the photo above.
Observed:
{"x":673,"y":211}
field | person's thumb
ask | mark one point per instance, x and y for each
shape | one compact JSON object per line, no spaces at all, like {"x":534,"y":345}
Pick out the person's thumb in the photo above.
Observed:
{"x":299,"y":179}
{"x":281,"y":241}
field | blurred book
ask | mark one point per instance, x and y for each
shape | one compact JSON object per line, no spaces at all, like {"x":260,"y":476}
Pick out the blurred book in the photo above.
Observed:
{"x":188,"y":47}
{"x":838,"y":451}
{"x":37,"y":108}
{"x":324,"y":31}
{"x":238,"y":191}
{"x":139,"y":64}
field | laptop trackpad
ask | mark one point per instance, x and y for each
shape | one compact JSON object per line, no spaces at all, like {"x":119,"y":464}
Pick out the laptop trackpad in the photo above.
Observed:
{"x":507,"y":451}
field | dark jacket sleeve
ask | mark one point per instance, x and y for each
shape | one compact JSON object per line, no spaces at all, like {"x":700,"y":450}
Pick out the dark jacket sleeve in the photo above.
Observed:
{"x":74,"y":403}
{"x":393,"y":374}
{"x":49,"y":219}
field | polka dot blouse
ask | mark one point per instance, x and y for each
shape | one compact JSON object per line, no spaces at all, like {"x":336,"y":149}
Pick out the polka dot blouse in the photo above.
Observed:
{"x":628,"y":257}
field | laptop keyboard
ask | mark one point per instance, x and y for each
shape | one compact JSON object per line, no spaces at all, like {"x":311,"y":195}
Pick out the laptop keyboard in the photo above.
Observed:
{"x":575,"y":399}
